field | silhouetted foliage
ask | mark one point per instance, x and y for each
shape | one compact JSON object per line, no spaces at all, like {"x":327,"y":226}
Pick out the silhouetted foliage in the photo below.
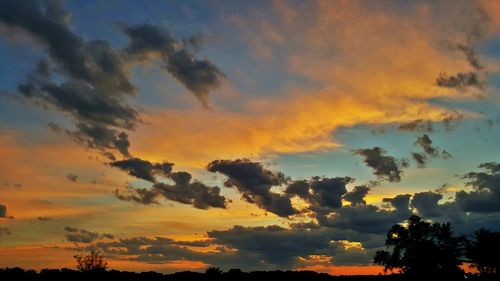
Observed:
{"x":422,"y":250}
{"x":213,"y":273}
{"x":483,"y":251}
{"x":93,"y":262}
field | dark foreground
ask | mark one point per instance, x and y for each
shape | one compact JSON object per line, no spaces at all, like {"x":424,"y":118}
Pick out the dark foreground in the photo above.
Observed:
{"x":18,"y":274}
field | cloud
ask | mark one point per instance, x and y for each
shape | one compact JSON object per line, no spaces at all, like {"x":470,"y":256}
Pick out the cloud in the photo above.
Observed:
{"x":369,"y":218}
{"x":143,"y":169}
{"x":84,"y":236}
{"x":416,"y":125}
{"x":98,"y":137}
{"x":195,"y":192}
{"x":254,"y":182}
{"x":420,"y":158}
{"x":72,"y":177}
{"x":253,"y":248}
{"x":183,"y":190}
{"x":199,"y":76}
{"x":93,"y":77}
{"x":8,"y":184}
{"x":460,"y":81}
{"x":357,"y":195}
{"x":471,"y":56}
{"x":274,"y":244}
{"x":4,"y":231}
{"x":108,"y":236}
{"x":426,"y":203}
{"x":327,"y":192}
{"x":299,"y":188}
{"x":44,"y":218}
{"x":484,"y":198}
{"x":323,"y":194}
{"x":3,"y":211}
{"x":426,"y":143}
{"x":145,"y":196}
{"x":384,"y":167}
{"x":96,"y":80}
{"x":473,"y":33}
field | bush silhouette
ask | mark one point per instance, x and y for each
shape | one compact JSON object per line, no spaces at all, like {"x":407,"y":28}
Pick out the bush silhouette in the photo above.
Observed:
{"x":93,"y":262}
{"x":420,"y":250}
{"x":213,"y":273}
{"x":483,"y":251}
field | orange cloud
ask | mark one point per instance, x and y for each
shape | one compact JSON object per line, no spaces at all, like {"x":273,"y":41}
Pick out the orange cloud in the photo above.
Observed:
{"x":345,"y":269}
{"x":369,"y":67}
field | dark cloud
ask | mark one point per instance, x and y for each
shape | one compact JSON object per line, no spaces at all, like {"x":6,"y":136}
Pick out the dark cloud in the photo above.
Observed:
{"x":425,"y":143}
{"x":44,"y":218}
{"x":84,"y":236}
{"x":145,"y":196}
{"x":80,"y":235}
{"x":254,"y":248}
{"x":400,"y":202}
{"x":95,"y":80}
{"x":164,"y":250}
{"x":327,"y":192}
{"x":300,"y":188}
{"x":278,"y":247}
{"x":92,"y":77}
{"x":451,"y":118}
{"x":186,"y":191}
{"x":426,"y":203}
{"x":72,"y":177}
{"x":365,"y":219}
{"x":143,"y":169}
{"x":95,"y":115}
{"x":420,"y":158}
{"x":476,"y":78}
{"x":474,"y":32}
{"x":183,"y":190}
{"x":107,"y":236}
{"x":486,"y":194}
{"x":255,"y":183}
{"x":417,"y":125}
{"x":8,"y":184}
{"x":283,"y":247}
{"x":199,"y":76}
{"x":101,"y":137}
{"x":274,"y":244}
{"x":471,"y":56}
{"x":384,"y":167}
{"x":357,"y":195}
{"x":3,"y":211}
{"x":445,"y":154}
{"x":461,"y":81}
{"x":4,"y":231}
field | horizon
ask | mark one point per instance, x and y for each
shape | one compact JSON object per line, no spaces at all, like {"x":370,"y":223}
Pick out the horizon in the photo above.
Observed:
{"x":259,"y":135}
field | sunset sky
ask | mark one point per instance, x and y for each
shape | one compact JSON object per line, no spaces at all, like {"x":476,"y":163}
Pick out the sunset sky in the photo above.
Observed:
{"x":261,"y":135}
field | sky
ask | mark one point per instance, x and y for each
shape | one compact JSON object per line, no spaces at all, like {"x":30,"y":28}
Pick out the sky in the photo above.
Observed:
{"x":260,"y":135}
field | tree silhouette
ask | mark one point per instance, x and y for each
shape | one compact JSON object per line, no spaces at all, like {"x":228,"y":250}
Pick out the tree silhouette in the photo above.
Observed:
{"x":93,"y":262}
{"x":484,"y":252}
{"x":420,"y":249}
{"x":213,"y":273}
